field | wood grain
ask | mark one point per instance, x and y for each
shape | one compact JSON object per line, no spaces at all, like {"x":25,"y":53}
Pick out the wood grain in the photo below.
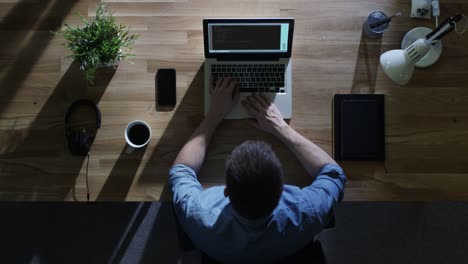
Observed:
{"x":426,"y":121}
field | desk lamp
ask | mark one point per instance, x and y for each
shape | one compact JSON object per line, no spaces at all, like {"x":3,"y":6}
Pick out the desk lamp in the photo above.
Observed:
{"x":399,"y":64}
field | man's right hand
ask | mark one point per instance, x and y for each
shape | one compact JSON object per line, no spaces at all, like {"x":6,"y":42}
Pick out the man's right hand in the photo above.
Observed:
{"x":268,"y":117}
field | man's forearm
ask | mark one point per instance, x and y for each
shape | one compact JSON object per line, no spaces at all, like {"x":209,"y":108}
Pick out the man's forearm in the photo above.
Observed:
{"x":193,"y":152}
{"x":311,"y":156}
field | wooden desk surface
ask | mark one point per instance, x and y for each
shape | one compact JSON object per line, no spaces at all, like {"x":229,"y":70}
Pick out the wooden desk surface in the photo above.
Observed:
{"x":426,"y":121}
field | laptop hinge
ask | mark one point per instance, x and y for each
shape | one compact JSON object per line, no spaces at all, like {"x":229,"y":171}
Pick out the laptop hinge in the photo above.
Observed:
{"x":248,"y":59}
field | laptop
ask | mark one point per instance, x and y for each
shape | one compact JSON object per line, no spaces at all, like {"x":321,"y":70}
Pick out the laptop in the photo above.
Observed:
{"x":255,"y":52}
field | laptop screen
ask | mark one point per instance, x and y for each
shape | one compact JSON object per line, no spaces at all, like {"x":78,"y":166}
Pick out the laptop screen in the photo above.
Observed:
{"x":268,"y":37}
{"x":258,"y":38}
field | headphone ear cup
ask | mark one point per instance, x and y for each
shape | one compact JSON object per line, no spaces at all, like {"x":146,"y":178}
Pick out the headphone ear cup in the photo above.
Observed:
{"x":79,"y":142}
{"x":82,"y":143}
{"x":85,"y":141}
{"x":69,"y":135}
{"x":72,"y":137}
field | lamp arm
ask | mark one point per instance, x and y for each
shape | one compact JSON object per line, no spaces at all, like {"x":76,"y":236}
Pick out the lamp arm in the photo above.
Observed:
{"x":443,"y":29}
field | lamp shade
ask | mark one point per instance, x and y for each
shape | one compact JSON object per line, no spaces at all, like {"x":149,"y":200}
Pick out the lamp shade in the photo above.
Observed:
{"x":396,"y":65}
{"x":399,"y":64}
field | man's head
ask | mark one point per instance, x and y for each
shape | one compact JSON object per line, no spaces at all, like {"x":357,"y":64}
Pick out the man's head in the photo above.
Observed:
{"x":254,"y":179}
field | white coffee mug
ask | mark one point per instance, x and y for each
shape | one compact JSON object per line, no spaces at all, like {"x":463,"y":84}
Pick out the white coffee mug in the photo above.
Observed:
{"x":137,"y":135}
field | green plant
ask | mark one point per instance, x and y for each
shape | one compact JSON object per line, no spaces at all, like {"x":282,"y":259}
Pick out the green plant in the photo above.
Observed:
{"x":100,"y":42}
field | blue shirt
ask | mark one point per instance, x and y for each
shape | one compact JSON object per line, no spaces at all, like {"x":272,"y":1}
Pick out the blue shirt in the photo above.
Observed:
{"x":216,"y":229}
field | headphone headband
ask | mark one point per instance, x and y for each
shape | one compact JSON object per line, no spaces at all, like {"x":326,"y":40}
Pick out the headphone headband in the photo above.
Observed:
{"x":81,"y":102}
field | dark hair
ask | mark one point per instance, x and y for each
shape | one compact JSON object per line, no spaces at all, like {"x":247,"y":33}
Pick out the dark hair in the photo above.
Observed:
{"x":254,"y":179}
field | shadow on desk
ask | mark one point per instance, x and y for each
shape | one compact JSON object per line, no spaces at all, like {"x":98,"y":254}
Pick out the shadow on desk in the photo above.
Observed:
{"x":121,"y":177}
{"x":17,"y":26}
{"x":367,"y":65}
{"x":185,"y":120}
{"x":35,"y":161}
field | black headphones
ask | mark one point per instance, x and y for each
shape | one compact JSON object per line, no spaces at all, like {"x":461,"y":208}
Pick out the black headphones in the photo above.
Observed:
{"x":80,"y":140}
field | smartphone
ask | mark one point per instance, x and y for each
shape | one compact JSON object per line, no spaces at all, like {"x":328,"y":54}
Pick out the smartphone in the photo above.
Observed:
{"x":166,"y":87}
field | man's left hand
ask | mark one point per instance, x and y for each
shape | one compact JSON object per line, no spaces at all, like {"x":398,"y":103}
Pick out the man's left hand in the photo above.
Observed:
{"x":224,"y":96}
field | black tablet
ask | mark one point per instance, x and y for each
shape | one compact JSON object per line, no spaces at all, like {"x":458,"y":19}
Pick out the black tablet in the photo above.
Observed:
{"x":359,"y":127}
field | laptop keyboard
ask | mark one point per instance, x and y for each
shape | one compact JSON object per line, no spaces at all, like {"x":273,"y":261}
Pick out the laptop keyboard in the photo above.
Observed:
{"x":252,"y":78}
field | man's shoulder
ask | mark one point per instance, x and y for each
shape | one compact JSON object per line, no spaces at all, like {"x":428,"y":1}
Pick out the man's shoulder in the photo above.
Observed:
{"x":210,"y":201}
{"x":208,"y":210}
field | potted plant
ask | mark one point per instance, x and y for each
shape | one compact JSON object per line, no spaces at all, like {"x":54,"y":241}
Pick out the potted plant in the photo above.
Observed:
{"x":100,"y":43}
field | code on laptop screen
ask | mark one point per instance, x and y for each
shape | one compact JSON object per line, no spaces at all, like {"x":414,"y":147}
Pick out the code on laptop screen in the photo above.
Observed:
{"x":226,"y":38}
